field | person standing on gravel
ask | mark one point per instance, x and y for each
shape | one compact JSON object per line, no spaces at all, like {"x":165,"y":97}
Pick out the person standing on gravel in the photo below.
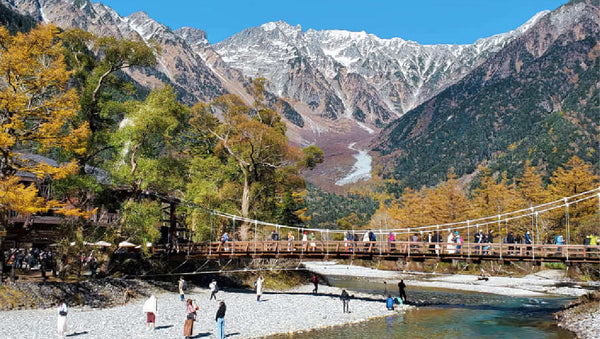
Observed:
{"x":181,"y":287}
{"x":315,"y":281}
{"x":220,"y":319}
{"x":259,"y":287}
{"x":150,"y":310}
{"x":213,"y":290}
{"x":188,"y":327}
{"x":345,"y":301}
{"x":61,"y":321}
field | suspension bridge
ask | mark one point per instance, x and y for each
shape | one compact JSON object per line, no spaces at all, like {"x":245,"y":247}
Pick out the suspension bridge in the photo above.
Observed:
{"x":334,"y":244}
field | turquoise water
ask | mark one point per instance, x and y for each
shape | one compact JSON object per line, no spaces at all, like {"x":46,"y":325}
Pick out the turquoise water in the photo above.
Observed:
{"x":451,"y":314}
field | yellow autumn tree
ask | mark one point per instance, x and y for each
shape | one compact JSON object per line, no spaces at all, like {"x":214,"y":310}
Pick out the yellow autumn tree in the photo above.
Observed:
{"x":575,"y":177}
{"x":37,"y":114}
{"x":494,"y":197}
{"x":531,"y":187}
{"x":413,"y":209}
{"x":449,"y":202}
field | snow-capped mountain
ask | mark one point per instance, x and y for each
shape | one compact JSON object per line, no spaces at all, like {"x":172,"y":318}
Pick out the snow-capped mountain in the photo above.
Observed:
{"x":354,"y":74}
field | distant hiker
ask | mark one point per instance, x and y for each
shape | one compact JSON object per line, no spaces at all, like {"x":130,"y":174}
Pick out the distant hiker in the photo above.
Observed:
{"x":150,"y":309}
{"x":402,"y":290}
{"x":224,"y":240}
{"x":559,"y":241}
{"x":372,"y":236}
{"x":490,"y":237}
{"x":213,"y":289}
{"x":61,"y":321}
{"x":459,"y":240}
{"x":389,"y":303}
{"x":392,"y":239}
{"x":345,"y":301}
{"x":188,"y":327}
{"x":220,"y":319}
{"x":437,"y":238}
{"x":450,"y":249}
{"x":181,"y":285}
{"x":274,"y":236}
{"x":414,"y":239}
{"x":304,"y":237}
{"x":348,"y":242}
{"x":290,"y":241}
{"x":315,"y":281}
{"x":259,"y":287}
{"x":366,"y":240}
{"x":313,"y":238}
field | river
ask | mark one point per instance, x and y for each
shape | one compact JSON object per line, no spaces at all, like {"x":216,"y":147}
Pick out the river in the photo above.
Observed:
{"x":450,"y":314}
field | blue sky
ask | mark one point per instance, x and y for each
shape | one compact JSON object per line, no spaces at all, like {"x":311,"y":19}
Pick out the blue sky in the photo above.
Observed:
{"x":424,"y":21}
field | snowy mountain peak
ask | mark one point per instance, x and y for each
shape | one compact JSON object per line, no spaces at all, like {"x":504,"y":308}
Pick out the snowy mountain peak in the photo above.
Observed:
{"x":193,"y":36}
{"x":282,"y":26}
{"x":145,"y":26}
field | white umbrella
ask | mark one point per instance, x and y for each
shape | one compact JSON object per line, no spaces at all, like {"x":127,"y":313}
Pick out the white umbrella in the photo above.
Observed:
{"x":126,"y":244}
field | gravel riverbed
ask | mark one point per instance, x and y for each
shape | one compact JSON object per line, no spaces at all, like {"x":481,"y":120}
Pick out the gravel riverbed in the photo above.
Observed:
{"x":278,"y":312}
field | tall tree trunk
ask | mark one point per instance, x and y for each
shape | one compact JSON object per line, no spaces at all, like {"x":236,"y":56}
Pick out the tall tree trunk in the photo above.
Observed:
{"x":245,"y":205}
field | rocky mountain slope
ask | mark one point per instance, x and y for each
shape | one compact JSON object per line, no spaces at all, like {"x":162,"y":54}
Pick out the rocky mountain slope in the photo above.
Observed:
{"x":354,"y":74}
{"x":536,"y":99}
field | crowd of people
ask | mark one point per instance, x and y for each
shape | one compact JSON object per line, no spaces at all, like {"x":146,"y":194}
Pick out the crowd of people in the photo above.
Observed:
{"x":447,"y":242}
{"x":32,"y":259}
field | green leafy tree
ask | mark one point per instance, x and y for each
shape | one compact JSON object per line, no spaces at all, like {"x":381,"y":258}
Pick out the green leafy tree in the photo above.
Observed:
{"x":253,"y":139}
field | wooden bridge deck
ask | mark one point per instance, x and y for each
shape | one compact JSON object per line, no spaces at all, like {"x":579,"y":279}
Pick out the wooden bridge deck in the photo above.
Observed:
{"x":412,"y":251}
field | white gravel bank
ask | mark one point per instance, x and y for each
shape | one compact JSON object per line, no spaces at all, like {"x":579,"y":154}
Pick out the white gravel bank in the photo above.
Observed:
{"x":290,"y":311}
{"x":534,"y":285}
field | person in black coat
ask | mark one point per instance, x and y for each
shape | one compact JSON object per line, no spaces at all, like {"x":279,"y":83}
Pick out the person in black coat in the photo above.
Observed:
{"x":345,"y":301}
{"x":402,"y":290}
{"x":220,"y":319}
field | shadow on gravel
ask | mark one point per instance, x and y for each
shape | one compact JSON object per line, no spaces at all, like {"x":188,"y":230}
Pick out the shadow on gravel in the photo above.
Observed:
{"x":163,"y":327}
{"x":201,"y":335}
{"x":76,"y":334}
{"x":232,"y":334}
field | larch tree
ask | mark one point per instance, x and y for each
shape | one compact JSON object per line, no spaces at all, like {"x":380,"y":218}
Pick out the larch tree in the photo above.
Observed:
{"x":575,"y":177}
{"x":494,"y":197}
{"x":531,"y":187}
{"x":449,"y":203}
{"x":37,"y":114}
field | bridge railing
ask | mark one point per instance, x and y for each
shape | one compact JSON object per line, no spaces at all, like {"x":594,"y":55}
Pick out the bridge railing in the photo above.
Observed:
{"x":397,"y":248}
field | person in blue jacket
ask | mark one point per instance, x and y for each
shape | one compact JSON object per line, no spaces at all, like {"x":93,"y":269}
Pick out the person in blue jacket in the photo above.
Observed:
{"x":389,"y":303}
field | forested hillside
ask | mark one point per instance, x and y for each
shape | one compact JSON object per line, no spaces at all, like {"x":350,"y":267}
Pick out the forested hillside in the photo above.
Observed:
{"x":535,"y":100}
{"x":326,"y":209}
